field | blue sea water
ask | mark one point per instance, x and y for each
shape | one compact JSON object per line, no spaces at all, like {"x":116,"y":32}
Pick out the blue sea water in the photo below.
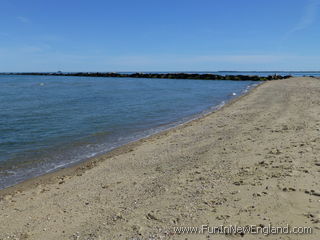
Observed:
{"x":267,"y":73}
{"x":48,"y":122}
{"x":256,"y":73}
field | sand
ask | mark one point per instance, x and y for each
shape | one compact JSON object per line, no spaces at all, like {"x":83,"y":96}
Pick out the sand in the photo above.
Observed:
{"x":256,"y":161}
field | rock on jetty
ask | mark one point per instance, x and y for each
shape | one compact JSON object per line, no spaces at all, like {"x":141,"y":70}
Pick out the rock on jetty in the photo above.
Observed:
{"x":206,"y":76}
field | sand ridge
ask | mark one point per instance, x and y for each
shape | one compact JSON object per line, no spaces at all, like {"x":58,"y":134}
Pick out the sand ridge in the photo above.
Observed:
{"x":255,"y":161}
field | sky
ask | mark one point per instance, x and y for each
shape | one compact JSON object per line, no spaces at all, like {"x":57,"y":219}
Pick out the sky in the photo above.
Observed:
{"x":159,"y":35}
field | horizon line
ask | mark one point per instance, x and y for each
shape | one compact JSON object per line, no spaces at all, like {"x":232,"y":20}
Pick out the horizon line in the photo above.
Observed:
{"x":160,"y":71}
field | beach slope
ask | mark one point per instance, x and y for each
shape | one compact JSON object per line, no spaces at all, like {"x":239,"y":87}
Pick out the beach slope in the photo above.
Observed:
{"x":256,"y":161}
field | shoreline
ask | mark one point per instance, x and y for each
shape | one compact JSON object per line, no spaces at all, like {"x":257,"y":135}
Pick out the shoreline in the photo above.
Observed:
{"x":73,"y":169}
{"x":255,"y":162}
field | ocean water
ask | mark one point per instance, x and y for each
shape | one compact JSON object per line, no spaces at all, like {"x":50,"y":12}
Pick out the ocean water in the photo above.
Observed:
{"x":48,"y":122}
{"x":261,"y":73}
{"x":267,"y":73}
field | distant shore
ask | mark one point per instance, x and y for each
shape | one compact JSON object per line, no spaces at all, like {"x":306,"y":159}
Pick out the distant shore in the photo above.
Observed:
{"x":198,"y":76}
{"x":253,"y":162}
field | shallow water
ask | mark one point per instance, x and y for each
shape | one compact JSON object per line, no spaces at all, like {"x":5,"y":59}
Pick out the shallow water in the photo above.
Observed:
{"x":47,"y":122}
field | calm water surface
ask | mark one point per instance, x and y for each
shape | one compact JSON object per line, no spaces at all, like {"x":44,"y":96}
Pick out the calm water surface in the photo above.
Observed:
{"x":47,"y":122}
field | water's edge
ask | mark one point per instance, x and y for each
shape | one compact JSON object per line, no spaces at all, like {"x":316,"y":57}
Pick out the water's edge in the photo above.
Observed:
{"x":71,"y":166}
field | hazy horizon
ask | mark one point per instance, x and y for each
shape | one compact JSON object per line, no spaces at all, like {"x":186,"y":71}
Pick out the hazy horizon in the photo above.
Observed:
{"x":172,"y":71}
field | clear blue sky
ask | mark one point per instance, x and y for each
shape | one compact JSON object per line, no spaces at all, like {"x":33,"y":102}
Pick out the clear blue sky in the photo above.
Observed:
{"x":159,"y":35}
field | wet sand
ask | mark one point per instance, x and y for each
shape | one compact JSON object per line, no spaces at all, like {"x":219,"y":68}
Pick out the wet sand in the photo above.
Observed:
{"x":254,"y":162}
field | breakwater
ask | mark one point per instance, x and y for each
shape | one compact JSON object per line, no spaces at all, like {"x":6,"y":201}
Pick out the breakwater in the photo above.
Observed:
{"x":199,"y":76}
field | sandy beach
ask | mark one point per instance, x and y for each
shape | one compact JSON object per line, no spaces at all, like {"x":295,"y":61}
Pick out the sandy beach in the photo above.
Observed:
{"x":256,"y":161}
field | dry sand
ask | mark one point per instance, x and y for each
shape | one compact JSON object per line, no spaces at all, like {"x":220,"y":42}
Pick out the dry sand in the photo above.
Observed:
{"x":256,"y":161}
